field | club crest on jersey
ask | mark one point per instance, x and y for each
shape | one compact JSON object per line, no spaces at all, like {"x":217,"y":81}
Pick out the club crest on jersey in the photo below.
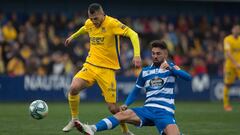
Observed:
{"x":90,"y":29}
{"x":156,"y":82}
{"x":104,"y":29}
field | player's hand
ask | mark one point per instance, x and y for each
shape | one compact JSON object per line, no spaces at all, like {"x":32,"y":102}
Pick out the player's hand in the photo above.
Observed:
{"x":68,"y":40}
{"x":123,"y":107}
{"x":137,"y":61}
{"x":164,"y":65}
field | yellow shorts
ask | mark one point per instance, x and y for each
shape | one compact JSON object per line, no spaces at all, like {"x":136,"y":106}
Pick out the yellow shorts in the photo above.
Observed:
{"x":230,"y":74}
{"x":104,"y":77}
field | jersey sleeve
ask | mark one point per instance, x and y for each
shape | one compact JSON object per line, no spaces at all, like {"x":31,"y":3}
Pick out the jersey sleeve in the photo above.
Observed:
{"x":226,"y":45}
{"x":140,"y":81}
{"x":178,"y":72}
{"x":118,"y":28}
{"x":86,"y":25}
{"x":172,"y":65}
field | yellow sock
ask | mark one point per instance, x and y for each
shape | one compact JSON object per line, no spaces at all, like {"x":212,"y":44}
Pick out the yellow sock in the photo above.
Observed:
{"x":73,"y":101}
{"x":124,"y":127}
{"x":225,"y":96}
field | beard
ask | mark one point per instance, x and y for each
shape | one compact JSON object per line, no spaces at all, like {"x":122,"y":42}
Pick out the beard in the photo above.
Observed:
{"x":157,"y":63}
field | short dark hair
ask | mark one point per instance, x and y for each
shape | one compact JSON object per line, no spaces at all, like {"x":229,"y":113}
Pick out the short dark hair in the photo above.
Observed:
{"x":94,"y":7}
{"x":159,"y":44}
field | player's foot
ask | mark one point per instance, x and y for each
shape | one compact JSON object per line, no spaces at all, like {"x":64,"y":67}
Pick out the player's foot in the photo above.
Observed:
{"x":128,"y":133}
{"x":84,"y":128}
{"x":228,"y":108}
{"x":69,"y":126}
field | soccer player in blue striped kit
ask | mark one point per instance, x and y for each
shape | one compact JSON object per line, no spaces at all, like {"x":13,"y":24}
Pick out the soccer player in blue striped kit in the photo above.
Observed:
{"x":158,"y":110}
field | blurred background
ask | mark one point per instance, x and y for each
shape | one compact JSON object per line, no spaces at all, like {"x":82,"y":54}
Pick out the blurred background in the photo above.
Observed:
{"x":35,"y":64}
{"x":34,"y":60}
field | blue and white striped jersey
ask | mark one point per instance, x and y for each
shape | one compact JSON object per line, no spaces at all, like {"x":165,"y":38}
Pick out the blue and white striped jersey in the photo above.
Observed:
{"x":159,"y":84}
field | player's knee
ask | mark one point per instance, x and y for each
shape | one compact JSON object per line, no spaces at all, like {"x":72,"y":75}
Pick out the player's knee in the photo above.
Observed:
{"x":76,"y":87}
{"x":171,"y":133}
{"x":172,"y":129}
{"x":124,"y":115}
{"x":73,"y":91}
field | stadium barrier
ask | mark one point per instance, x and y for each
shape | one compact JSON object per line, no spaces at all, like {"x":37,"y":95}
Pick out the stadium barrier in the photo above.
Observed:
{"x":54,"y":88}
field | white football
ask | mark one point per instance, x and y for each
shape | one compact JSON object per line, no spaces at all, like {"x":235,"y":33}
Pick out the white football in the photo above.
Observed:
{"x":38,"y":109}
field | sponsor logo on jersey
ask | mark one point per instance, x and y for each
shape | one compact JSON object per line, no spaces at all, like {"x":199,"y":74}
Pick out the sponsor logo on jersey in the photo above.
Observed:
{"x":156,"y":82}
{"x":97,"y":40}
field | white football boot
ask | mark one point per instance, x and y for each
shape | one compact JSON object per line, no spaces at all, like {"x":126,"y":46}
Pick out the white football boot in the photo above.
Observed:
{"x":84,"y":128}
{"x":70,"y":125}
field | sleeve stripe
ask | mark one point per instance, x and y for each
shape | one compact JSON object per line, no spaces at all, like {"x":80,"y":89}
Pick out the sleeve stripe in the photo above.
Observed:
{"x":117,"y":50}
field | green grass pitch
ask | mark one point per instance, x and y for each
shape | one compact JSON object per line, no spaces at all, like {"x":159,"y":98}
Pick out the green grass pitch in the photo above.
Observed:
{"x":194,"y":118}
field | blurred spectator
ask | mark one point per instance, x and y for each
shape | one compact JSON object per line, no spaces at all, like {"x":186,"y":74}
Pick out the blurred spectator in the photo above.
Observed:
{"x":199,"y":67}
{"x":15,"y":66}
{"x":26,"y":52}
{"x":9,"y":32}
{"x":58,"y":66}
{"x":68,"y":65}
{"x":1,"y":35}
{"x":172,"y":34}
{"x":56,"y":45}
{"x":31,"y":32}
{"x":169,"y":43}
{"x":42,"y":48}
{"x":2,"y":66}
{"x":32,"y":64}
{"x":182,"y":25}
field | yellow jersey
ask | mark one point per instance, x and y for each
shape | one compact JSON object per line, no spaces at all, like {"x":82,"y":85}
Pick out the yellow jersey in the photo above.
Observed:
{"x":233,"y":45}
{"x":104,"y":42}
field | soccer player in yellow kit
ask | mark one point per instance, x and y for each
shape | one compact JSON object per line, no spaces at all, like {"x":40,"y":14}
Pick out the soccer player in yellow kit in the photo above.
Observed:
{"x":102,"y":60}
{"x":232,"y":63}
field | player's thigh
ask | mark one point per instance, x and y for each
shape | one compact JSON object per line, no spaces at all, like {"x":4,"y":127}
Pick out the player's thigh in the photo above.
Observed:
{"x":229,"y":75}
{"x":84,"y":78}
{"x":128,"y":116}
{"x":163,"y":122}
{"x":172,"y":129}
{"x":145,"y":116}
{"x":107,"y":82}
{"x":79,"y":83}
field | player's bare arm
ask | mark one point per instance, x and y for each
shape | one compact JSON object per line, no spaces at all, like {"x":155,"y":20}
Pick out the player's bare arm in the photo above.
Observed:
{"x":137,"y":61}
{"x":74,"y":35}
{"x":136,"y":47}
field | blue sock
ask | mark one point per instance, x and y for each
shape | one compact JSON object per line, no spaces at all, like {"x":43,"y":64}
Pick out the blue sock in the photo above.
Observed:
{"x":107,"y":123}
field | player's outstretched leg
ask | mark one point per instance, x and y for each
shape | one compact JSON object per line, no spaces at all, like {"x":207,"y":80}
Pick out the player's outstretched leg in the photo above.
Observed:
{"x":104,"y":124}
{"x":84,"y":128}
{"x":113,"y":108}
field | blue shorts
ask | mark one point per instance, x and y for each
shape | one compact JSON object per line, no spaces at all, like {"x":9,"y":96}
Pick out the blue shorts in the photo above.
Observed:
{"x":151,"y":116}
